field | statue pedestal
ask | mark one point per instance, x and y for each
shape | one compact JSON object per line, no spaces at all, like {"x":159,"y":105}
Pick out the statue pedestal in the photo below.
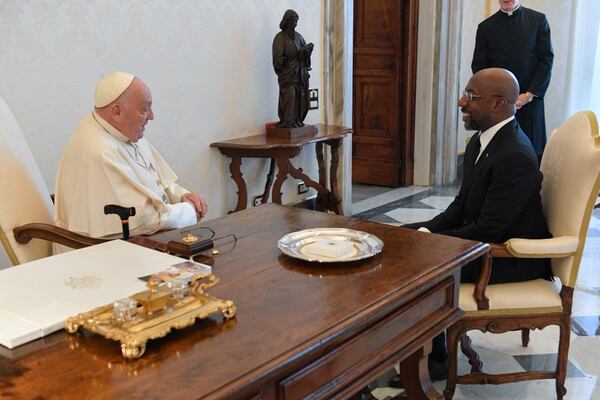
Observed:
{"x":308,"y":130}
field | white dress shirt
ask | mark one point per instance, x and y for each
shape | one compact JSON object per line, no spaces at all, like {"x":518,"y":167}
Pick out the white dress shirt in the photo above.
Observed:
{"x":486,"y":137}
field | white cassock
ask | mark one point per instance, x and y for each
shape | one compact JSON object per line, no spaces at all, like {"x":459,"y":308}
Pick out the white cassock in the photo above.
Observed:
{"x":101,"y":166}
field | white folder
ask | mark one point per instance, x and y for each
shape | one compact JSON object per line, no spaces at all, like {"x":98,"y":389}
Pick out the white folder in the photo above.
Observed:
{"x":36,"y":298}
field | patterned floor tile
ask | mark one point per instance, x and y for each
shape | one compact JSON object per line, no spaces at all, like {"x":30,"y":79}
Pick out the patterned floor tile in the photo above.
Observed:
{"x":411,"y":215}
{"x":409,"y":201}
{"x":577,"y":389}
{"x":586,"y":326}
{"x":584,"y":352}
{"x":384,"y":219}
{"x":438,"y":202}
{"x":541,"y":341}
{"x":586,"y":302}
{"x":362,"y":192}
{"x":546,"y":362}
{"x":372,"y":204}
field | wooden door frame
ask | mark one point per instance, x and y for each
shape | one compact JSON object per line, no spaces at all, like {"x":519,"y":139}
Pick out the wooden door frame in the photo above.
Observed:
{"x":407,"y":92}
{"x":403,"y":120}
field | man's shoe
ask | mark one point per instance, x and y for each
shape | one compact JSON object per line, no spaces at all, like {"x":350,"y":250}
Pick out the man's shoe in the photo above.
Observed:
{"x":438,"y":371}
{"x":395,"y":382}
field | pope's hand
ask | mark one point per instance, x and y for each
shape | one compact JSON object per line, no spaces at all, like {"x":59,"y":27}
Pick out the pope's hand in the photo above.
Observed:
{"x":198,"y":201}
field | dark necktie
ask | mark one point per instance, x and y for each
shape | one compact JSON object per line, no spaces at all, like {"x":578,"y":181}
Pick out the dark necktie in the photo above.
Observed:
{"x":476,"y":147}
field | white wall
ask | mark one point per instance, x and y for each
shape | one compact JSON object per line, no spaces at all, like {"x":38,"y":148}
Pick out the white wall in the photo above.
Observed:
{"x":207,"y":62}
{"x":560,"y":17}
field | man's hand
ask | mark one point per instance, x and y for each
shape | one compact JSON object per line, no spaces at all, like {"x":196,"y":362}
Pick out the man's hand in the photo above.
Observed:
{"x":198,"y":201}
{"x":523,"y":99}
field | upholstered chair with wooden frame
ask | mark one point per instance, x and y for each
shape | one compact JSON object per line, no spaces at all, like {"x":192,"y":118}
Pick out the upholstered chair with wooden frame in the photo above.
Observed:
{"x":25,"y":204}
{"x":571,"y":168}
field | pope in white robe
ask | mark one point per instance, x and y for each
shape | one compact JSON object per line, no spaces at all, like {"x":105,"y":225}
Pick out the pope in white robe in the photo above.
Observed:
{"x":108,"y":161}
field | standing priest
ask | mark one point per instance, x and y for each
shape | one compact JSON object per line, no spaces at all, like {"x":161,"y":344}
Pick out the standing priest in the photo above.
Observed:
{"x":518,"y":39}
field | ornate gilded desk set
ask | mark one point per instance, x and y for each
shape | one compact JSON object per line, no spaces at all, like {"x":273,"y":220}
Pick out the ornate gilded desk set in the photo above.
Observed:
{"x":153,"y":313}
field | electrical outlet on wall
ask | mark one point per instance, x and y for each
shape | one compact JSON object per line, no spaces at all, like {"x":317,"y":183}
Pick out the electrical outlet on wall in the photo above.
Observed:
{"x":313,"y":98}
{"x":302,"y":188}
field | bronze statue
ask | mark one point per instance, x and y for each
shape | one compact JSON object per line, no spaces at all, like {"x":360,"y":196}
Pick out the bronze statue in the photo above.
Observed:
{"x":291,"y":61}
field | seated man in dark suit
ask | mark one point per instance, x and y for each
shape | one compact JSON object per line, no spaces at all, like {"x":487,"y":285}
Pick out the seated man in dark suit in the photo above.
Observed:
{"x":499,"y":196}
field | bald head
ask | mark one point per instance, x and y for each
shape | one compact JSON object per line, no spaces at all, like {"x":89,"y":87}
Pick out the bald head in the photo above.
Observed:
{"x":493,"y":93}
{"x":498,"y":81}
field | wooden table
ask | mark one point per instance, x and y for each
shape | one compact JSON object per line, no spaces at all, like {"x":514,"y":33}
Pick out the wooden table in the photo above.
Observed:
{"x":302,"y":330}
{"x":281,"y":151}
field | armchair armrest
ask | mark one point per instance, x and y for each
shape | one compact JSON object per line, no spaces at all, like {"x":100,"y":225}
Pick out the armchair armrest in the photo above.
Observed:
{"x":499,"y":251}
{"x":23,"y":234}
{"x":483,"y":303}
{"x":496,"y":251}
{"x":562,"y":246}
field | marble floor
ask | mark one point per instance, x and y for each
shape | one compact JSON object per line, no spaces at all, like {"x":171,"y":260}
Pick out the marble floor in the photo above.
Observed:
{"x":504,"y":353}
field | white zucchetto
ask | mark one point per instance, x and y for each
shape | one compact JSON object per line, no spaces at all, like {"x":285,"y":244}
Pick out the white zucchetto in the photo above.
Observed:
{"x":111,"y":87}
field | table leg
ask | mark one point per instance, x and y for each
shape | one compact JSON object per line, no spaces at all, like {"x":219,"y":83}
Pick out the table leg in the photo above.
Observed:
{"x":298,"y":174}
{"x":237,"y":176}
{"x":282,"y":172}
{"x":415,"y":376}
{"x":321,"y":203}
{"x":265,"y":196}
{"x":334,"y":202}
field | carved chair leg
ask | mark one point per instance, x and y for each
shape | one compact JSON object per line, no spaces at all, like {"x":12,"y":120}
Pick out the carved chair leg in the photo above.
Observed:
{"x":465,"y":346}
{"x":563,"y":357}
{"x":525,"y":336}
{"x":453,"y":334}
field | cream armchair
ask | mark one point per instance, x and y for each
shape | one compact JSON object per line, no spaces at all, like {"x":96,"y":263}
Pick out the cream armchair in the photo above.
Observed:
{"x":571,"y":168}
{"x":25,"y":204}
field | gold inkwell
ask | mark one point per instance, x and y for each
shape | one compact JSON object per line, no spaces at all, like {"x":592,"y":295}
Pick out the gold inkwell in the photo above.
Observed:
{"x":156,"y":298}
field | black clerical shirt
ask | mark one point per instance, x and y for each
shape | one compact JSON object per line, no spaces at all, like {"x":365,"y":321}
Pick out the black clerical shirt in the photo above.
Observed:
{"x":520,"y":43}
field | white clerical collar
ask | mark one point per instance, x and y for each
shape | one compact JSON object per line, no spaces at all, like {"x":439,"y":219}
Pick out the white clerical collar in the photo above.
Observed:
{"x":510,"y":13}
{"x":111,"y":130}
{"x":486,"y":137}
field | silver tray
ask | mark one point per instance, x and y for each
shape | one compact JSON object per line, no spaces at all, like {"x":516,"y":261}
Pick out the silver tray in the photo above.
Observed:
{"x":330,"y":245}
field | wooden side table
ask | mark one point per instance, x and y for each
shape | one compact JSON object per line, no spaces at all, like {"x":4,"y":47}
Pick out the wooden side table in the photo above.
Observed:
{"x":281,"y":151}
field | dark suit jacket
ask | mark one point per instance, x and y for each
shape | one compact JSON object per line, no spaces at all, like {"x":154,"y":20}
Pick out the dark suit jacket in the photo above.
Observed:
{"x":499,"y":199}
{"x":520,"y":43}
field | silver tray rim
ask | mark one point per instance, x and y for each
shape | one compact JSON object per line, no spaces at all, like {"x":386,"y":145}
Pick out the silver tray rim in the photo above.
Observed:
{"x":373,"y":244}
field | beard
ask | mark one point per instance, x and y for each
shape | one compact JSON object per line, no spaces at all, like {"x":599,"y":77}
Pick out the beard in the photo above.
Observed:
{"x":468,"y":122}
